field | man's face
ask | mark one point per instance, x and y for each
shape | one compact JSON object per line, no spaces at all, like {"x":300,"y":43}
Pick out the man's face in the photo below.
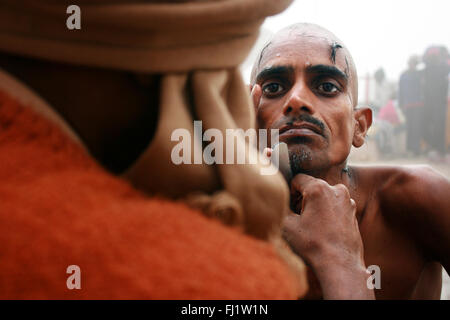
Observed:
{"x":307,"y":94}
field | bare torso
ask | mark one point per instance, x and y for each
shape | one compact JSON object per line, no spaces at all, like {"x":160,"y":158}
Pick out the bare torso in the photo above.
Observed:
{"x":396,"y":212}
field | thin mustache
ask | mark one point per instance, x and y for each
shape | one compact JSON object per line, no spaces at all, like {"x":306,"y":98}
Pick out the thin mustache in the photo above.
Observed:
{"x":304,"y":118}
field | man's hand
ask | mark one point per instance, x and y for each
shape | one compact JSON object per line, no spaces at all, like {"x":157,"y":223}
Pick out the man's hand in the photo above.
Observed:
{"x":326,"y":235}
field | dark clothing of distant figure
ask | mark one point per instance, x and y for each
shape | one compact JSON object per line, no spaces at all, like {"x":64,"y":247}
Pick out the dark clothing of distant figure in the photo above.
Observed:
{"x":435,"y":99}
{"x":436,"y":72}
{"x":410,"y":98}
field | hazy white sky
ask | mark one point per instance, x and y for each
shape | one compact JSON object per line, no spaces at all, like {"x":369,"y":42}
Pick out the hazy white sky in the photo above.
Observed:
{"x":377,"y":32}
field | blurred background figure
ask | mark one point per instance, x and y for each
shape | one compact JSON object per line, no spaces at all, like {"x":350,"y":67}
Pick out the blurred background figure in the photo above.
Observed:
{"x":389,"y":129}
{"x":388,"y":121}
{"x":383,"y":90}
{"x":435,"y":89}
{"x":448,"y":115}
{"x":410,"y":100}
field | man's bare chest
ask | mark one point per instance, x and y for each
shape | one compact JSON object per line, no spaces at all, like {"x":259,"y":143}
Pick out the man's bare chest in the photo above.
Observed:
{"x":392,"y":250}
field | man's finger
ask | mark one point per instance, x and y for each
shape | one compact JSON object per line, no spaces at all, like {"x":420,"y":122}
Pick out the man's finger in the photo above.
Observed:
{"x":302,"y":181}
{"x":290,"y":225}
{"x":290,"y":218}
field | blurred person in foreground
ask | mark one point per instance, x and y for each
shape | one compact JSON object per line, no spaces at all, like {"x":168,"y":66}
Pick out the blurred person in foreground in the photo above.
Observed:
{"x":305,"y":84}
{"x":410,"y":99}
{"x":86,"y":117}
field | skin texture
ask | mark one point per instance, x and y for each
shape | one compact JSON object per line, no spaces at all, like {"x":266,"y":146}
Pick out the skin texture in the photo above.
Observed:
{"x":344,"y":218}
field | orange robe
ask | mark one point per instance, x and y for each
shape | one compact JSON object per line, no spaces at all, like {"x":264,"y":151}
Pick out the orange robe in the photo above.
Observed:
{"x":58,"y":207}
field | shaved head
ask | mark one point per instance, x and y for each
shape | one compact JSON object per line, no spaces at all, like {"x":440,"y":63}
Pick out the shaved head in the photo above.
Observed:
{"x":310,"y":33}
{"x":304,"y":84}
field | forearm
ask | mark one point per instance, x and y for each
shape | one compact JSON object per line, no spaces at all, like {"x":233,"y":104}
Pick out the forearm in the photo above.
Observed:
{"x":344,"y":283}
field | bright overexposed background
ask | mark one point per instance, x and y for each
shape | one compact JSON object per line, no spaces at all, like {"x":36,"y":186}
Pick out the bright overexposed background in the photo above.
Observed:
{"x":381,"y":33}
{"x":378,"y":33}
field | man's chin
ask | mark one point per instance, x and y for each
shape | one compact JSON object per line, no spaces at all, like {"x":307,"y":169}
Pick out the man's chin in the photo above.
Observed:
{"x":304,"y":160}
{"x":301,"y":161}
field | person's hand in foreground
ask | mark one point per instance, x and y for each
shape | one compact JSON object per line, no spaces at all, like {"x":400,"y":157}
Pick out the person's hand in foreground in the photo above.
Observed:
{"x":324,"y":232}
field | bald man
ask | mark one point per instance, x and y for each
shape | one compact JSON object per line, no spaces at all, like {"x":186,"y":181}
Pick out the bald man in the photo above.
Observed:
{"x":397,"y":218}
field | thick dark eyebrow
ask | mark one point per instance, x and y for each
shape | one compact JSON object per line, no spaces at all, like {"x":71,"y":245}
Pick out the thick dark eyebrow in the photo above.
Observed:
{"x":274,"y":71}
{"x":326,"y":70}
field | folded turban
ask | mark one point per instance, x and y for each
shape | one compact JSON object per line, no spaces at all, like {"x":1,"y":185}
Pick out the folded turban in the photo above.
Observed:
{"x":197,"y":46}
{"x":137,"y":35}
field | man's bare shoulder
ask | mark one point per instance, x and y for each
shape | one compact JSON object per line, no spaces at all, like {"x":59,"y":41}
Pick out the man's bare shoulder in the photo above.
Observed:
{"x":414,"y":198}
{"x":404,"y":185}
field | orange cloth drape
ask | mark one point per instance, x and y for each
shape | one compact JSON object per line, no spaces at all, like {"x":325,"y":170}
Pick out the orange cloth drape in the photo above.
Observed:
{"x":59,"y":208}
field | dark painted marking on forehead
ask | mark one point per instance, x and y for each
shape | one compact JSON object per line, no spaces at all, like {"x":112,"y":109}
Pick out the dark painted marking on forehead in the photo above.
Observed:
{"x":262,"y":52}
{"x":334,"y":47}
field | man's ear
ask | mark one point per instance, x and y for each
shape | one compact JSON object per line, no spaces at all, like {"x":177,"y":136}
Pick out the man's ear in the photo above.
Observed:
{"x":363,"y":118}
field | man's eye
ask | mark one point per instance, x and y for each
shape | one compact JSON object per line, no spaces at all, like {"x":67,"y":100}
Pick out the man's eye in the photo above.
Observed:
{"x":272,"y":88}
{"x":328,"y":87}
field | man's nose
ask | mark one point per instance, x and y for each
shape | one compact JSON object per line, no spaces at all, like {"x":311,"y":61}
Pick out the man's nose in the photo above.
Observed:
{"x":299,"y":101}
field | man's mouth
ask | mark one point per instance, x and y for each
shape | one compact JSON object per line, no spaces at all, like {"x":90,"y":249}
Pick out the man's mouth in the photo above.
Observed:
{"x":299,"y":129}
